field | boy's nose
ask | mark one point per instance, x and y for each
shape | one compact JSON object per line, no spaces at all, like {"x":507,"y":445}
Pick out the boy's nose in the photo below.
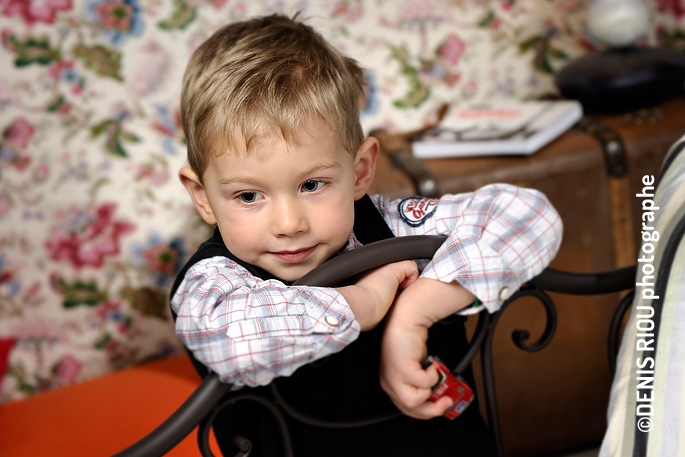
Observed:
{"x":290,"y":219}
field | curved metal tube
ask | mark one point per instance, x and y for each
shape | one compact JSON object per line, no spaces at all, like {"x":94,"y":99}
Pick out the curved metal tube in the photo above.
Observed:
{"x":371,"y":256}
{"x":519,"y":337}
{"x":201,"y":402}
{"x":243,"y":443}
{"x":199,"y":405}
{"x":476,"y":342}
{"x":602,"y":282}
{"x":562,"y":282}
{"x":162,"y":439}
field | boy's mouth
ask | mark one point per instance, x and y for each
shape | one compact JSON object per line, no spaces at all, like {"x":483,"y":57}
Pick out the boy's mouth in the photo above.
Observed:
{"x":297,"y":256}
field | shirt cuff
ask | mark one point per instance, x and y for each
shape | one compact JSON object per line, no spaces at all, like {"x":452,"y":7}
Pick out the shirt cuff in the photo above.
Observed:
{"x":478,"y":268}
{"x":335,"y":317}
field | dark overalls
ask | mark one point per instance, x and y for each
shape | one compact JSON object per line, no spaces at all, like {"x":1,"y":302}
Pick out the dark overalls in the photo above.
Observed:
{"x":344,"y":387}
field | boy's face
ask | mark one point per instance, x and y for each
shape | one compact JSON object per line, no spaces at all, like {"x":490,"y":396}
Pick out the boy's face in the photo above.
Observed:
{"x":286,"y":209}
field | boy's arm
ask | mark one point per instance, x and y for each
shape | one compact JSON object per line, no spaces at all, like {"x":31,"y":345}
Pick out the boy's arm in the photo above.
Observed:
{"x":371,"y":296}
{"x":498,"y":237}
{"x":250,"y":331}
{"x":403,"y":349}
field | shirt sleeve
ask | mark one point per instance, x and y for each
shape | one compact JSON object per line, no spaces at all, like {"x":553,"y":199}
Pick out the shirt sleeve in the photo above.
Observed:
{"x":498,"y":237}
{"x":249,"y":330}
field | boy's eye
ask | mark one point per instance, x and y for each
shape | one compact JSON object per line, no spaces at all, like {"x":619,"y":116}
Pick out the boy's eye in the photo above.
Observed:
{"x":249,"y":197}
{"x":312,"y":186}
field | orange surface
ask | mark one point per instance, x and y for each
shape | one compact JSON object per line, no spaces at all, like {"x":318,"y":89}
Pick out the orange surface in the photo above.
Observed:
{"x":102,"y":416}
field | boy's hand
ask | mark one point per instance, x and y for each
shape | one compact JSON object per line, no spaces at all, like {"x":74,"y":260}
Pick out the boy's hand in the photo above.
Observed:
{"x":403,"y":349}
{"x":402,"y":377}
{"x":371,"y":296}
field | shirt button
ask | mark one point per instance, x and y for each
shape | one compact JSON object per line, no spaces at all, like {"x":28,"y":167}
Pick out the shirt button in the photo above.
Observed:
{"x":332,"y":321}
{"x":504,"y":293}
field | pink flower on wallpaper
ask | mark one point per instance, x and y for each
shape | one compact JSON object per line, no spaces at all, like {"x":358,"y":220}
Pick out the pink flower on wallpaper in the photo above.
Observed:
{"x":38,"y":332}
{"x":676,"y":7}
{"x":161,"y":259}
{"x":115,"y":14}
{"x":507,"y":5}
{"x":20,"y":132}
{"x":153,"y":69}
{"x":415,"y":15}
{"x":68,"y":369}
{"x":87,"y":236}
{"x":6,"y":37}
{"x":56,"y":69}
{"x":103,"y":310}
{"x":494,"y":23}
{"x":32,"y":11}
{"x":452,"y":49}
{"x":156,"y":176}
{"x":351,"y":12}
{"x":5,"y":204}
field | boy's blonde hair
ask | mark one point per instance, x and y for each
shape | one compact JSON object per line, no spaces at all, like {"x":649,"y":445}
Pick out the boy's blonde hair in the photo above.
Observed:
{"x":262,"y":77}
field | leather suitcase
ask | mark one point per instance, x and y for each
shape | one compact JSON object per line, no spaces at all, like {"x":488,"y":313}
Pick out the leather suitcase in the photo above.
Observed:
{"x":557,"y":398}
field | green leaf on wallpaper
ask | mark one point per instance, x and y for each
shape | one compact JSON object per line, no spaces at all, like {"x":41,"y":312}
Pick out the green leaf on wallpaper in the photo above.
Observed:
{"x":541,"y":61}
{"x":113,"y":145}
{"x":103,"y":61}
{"x":183,"y":15}
{"x":115,"y":133}
{"x":55,"y":104}
{"x":487,"y":19}
{"x":79,"y":292}
{"x":544,"y":52}
{"x":32,"y":50}
{"x":103,"y":341}
{"x":128,"y":136}
{"x":672,"y":39}
{"x":418,"y":92}
{"x":101,"y":128}
{"x":18,"y":372}
{"x":529,"y":44}
{"x":97,"y":185}
{"x":148,"y":301}
{"x":556,"y":53}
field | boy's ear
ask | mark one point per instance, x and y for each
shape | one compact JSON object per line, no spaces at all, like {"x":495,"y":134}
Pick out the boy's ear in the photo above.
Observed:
{"x":365,"y":166}
{"x":197,"y":193}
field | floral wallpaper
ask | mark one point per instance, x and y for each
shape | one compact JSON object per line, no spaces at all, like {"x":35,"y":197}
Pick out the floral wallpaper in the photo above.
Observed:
{"x":93,"y":221}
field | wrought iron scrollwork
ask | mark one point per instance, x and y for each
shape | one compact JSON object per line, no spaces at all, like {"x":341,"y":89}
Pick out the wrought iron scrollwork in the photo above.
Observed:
{"x":520,"y":338}
{"x":244,"y":445}
{"x":553,"y":281}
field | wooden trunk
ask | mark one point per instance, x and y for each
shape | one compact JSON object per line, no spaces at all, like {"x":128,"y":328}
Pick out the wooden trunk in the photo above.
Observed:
{"x":557,"y":399}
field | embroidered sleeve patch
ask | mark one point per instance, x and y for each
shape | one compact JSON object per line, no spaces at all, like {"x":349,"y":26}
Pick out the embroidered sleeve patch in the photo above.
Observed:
{"x":416,"y":210}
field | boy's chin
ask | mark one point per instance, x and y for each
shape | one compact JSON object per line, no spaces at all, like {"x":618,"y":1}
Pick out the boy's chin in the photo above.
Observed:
{"x":291,"y":273}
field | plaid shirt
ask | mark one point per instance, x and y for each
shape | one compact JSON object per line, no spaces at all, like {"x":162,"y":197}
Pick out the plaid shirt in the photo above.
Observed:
{"x":250,"y":330}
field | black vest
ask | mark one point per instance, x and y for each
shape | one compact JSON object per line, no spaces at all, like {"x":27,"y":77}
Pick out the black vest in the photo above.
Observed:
{"x":345,"y":387}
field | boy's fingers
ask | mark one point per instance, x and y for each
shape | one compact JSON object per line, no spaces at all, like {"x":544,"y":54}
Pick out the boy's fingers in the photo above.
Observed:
{"x":416,"y":376}
{"x":410,"y":273}
{"x":429,"y":409}
{"x":411,"y":397}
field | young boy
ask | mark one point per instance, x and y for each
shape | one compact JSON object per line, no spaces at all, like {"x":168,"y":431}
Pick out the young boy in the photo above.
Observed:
{"x":279,"y":163}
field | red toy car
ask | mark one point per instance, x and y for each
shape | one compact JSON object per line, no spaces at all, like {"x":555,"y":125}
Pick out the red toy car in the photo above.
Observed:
{"x":453,"y":386}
